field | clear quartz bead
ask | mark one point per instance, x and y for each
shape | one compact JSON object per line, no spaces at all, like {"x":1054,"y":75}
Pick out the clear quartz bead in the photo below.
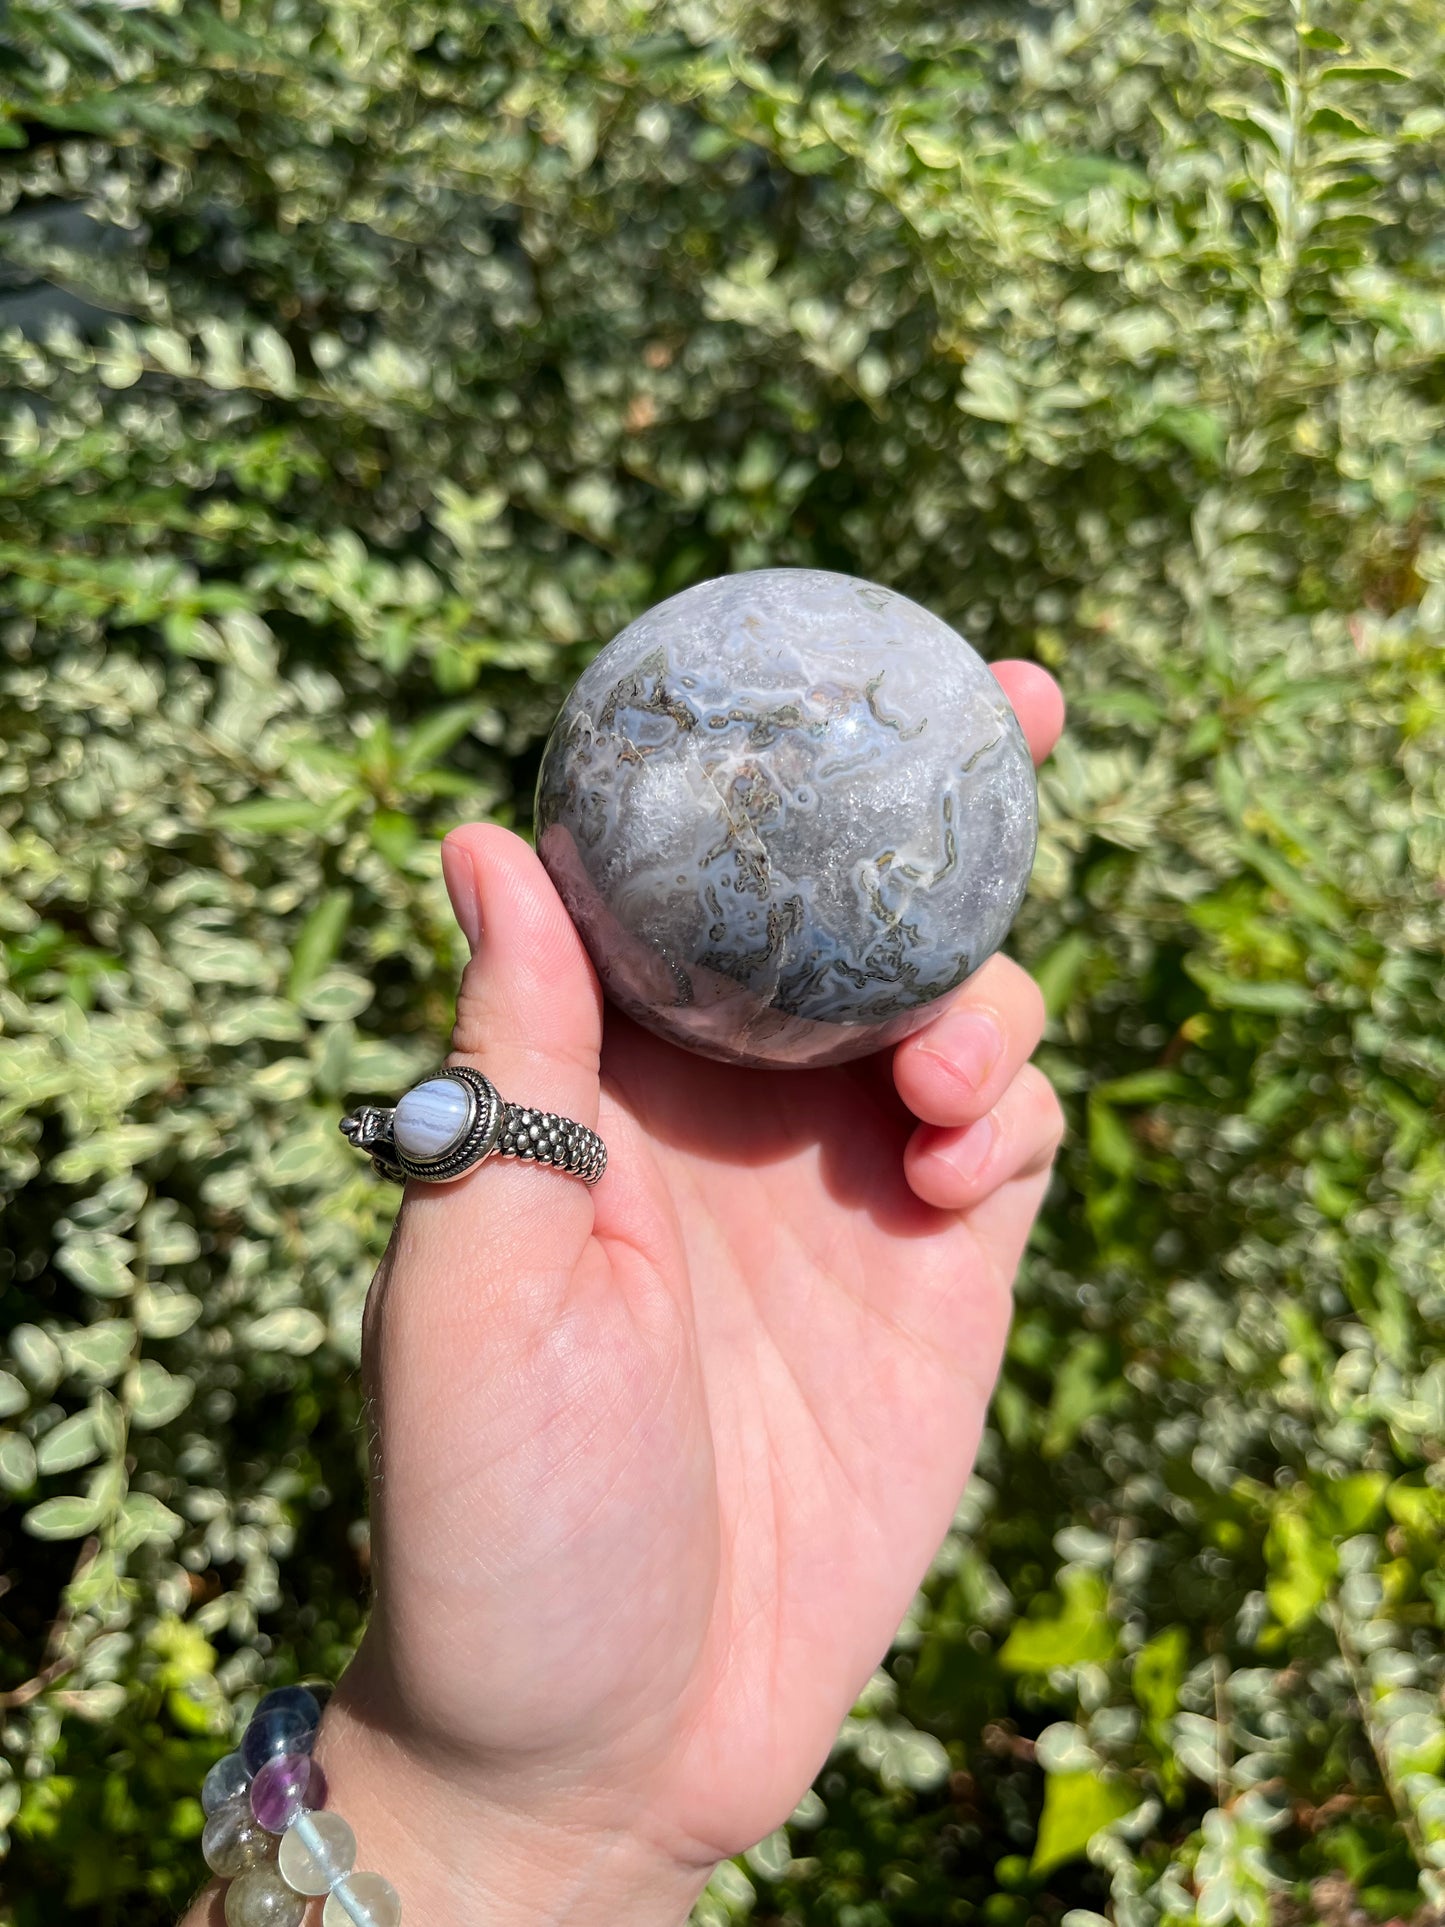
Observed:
{"x":317,"y":1850}
{"x":234,"y":1839}
{"x":261,"y":1898}
{"x":362,"y":1900}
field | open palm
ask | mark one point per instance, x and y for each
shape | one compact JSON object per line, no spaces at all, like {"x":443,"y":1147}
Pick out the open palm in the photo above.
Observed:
{"x":659,"y":1465}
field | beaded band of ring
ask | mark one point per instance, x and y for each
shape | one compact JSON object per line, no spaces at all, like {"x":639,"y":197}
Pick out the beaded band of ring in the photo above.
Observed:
{"x":266,"y":1834}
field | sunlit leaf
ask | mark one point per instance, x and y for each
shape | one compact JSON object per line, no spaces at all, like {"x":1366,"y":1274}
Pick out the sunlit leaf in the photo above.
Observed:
{"x":1076,"y":1807}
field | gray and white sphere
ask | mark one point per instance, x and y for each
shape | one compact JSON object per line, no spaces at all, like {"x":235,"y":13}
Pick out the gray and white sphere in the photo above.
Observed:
{"x":788,"y":811}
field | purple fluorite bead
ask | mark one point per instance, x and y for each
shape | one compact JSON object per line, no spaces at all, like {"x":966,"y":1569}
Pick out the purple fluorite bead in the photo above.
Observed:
{"x":279,"y":1790}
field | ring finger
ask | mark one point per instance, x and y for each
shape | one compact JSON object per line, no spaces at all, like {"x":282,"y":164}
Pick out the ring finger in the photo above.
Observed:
{"x":954,"y":1167}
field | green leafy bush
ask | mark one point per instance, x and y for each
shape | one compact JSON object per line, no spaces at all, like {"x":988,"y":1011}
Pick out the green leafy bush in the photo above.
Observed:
{"x":367,"y":365}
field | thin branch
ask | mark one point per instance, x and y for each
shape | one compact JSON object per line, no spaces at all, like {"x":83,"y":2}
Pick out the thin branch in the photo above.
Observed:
{"x":57,"y":1667}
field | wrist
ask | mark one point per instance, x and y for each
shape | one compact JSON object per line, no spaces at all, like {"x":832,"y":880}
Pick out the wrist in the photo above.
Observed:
{"x":458,"y":1850}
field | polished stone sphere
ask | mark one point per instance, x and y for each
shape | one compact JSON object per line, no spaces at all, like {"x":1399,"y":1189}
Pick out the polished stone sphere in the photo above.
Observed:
{"x":789,"y":811}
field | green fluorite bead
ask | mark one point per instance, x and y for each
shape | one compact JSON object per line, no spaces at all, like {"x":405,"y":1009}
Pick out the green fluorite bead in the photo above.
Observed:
{"x":233,"y":1839}
{"x":261,"y":1898}
{"x":362,"y":1900}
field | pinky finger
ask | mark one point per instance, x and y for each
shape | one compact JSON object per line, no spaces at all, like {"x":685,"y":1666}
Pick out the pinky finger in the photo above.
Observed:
{"x":954,"y":1169}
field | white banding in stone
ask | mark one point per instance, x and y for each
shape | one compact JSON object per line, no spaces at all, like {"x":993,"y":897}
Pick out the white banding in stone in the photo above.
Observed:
{"x":432,"y":1118}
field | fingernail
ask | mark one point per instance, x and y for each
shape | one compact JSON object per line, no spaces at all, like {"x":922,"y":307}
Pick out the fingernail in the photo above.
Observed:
{"x":461,"y":882}
{"x":967,"y":1158}
{"x":968,"y":1047}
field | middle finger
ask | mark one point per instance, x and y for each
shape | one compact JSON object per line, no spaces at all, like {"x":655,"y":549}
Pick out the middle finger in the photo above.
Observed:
{"x":958,"y":1067}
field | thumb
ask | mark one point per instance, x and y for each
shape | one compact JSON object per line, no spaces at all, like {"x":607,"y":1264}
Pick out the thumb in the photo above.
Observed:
{"x":529,"y":1017}
{"x":469,"y":1359}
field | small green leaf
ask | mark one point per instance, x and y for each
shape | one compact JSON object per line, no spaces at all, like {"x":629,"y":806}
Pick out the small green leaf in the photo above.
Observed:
{"x":38,"y":1358}
{"x":1085,"y":1386}
{"x":1142,"y":1087}
{"x":1158,"y":1672}
{"x":337,"y":995}
{"x":143,"y":1517}
{"x":1076,"y":1807}
{"x":434,"y":737}
{"x":373,"y":1066}
{"x":154,"y":1395}
{"x":1369,"y":70}
{"x":99,"y":1351}
{"x":1335,"y":120}
{"x":1130,"y":706}
{"x":108,"y":1152}
{"x":989,"y":390}
{"x":1077,"y":1634}
{"x":171,"y":1241}
{"x":171,"y":349}
{"x":17,"y":1462}
{"x":307,"y":1156}
{"x":1058,"y":974}
{"x":71,"y":1443}
{"x":1254,"y":54}
{"x":1239,"y":993}
{"x":99,"y":1704}
{"x":285,"y":1082}
{"x":272,"y":815}
{"x":320,"y":940}
{"x":250,"y":645}
{"x":274,"y":359}
{"x":70,"y":1517}
{"x":268,"y":1018}
{"x":394,"y":835}
{"x":233,"y":962}
{"x":1110,"y":1144}
{"x":1200,"y":430}
{"x":166,"y":1314}
{"x":1419,"y":1508}
{"x":97,"y":1264}
{"x":109,"y":1424}
{"x":1321,"y":906}
{"x":1302,"y":1563}
{"x":290,"y":1329}
{"x":1349,"y":1505}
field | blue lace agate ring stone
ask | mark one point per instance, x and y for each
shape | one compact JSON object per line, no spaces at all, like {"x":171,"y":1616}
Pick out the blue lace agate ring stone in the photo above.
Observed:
{"x":790,"y":812}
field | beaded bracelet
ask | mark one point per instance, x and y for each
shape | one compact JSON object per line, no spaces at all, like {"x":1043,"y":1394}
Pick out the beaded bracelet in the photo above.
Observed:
{"x":265,"y":1831}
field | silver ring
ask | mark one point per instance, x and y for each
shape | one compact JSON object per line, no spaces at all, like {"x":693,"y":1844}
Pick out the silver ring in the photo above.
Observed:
{"x":446,"y":1132}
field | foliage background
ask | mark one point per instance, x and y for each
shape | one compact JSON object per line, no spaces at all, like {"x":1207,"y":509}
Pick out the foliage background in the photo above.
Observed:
{"x":366,"y":365}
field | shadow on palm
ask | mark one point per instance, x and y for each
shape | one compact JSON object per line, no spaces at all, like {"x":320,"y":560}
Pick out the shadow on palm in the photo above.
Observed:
{"x":721,"y":1115}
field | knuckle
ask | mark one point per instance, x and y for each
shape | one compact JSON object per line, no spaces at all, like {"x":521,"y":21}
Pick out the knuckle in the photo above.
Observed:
{"x":1017,"y":993}
{"x":470,"y":1026}
{"x":1047,"y":1119}
{"x":1038,"y":1010}
{"x":993,"y":978}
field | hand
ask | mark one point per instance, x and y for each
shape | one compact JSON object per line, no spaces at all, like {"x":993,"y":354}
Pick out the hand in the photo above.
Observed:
{"x":658,"y":1466}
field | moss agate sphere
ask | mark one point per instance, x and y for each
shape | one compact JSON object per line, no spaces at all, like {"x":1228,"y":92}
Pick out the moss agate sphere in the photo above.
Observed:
{"x":789,"y":811}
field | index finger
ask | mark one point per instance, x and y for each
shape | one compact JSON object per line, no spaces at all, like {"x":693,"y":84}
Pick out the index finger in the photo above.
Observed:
{"x":1038,"y":703}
